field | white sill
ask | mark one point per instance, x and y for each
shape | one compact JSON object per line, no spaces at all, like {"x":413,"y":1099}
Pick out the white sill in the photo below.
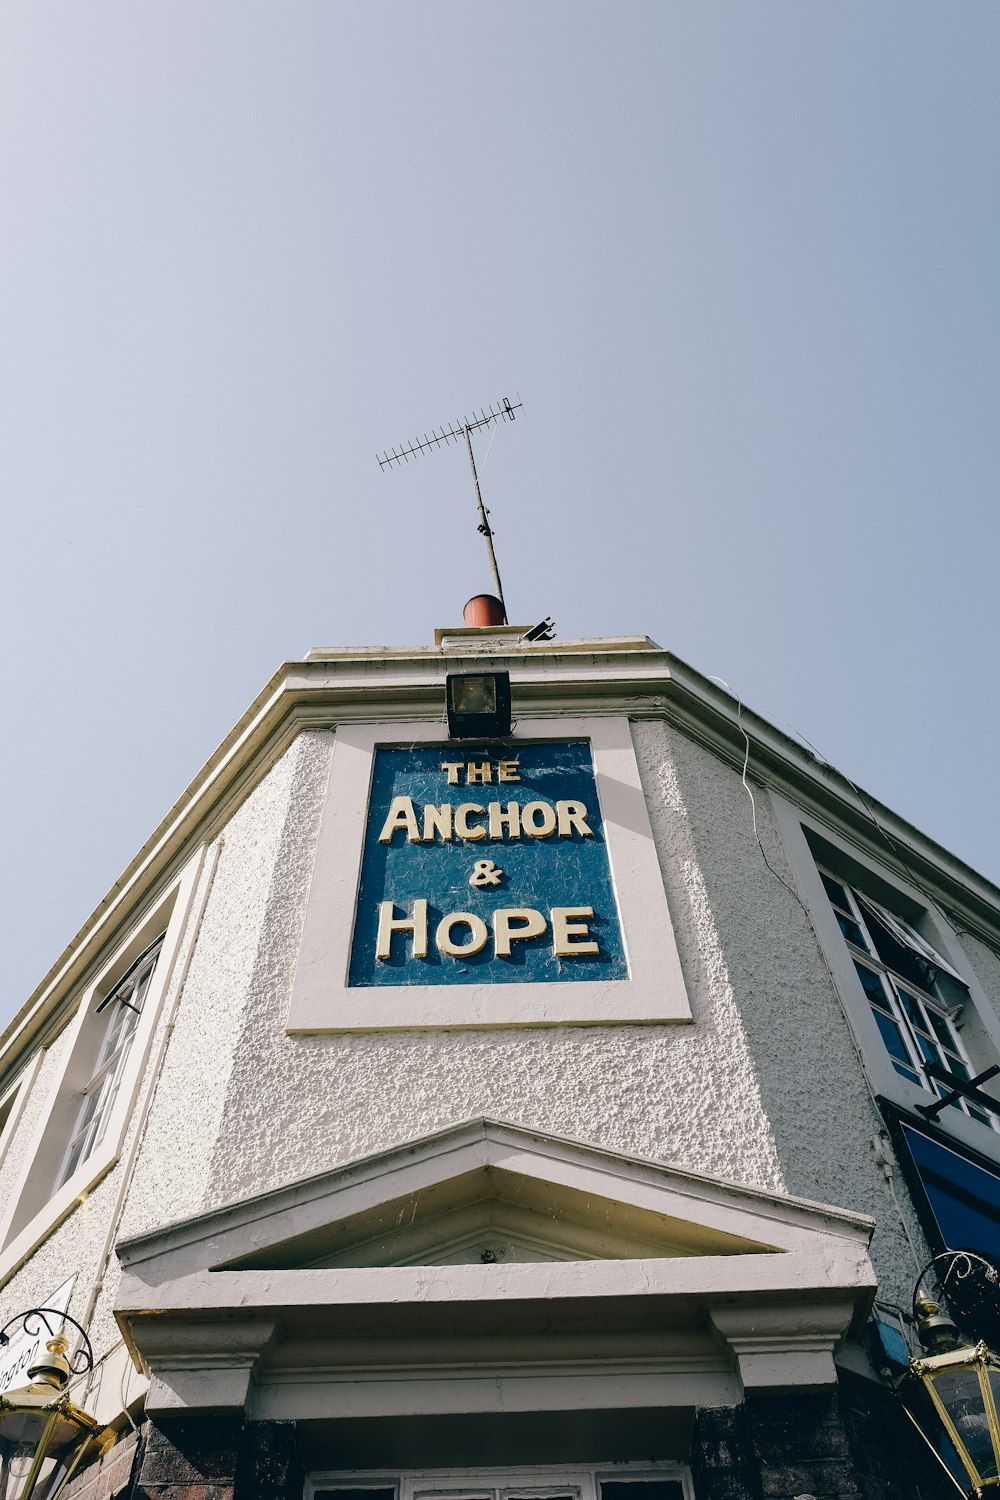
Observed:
{"x":952,"y":1122}
{"x":73,"y":1192}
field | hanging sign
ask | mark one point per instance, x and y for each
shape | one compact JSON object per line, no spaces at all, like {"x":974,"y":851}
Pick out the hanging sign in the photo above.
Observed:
{"x":29,"y":1341}
{"x":485,"y":864}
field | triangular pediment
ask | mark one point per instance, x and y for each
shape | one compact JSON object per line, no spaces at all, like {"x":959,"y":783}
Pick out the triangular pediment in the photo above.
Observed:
{"x":495,"y":1214}
{"x":488,"y":1193}
{"x":492,"y":1256}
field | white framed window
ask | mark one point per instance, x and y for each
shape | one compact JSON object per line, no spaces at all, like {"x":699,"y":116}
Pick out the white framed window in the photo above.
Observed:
{"x":105,"y":1047}
{"x":914,"y":993}
{"x":619,"y":1481}
{"x":908,"y":988}
{"x":122,"y":1009}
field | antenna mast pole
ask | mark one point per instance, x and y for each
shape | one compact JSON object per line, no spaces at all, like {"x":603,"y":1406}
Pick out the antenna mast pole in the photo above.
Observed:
{"x":484,"y":525}
{"x":502,"y":412}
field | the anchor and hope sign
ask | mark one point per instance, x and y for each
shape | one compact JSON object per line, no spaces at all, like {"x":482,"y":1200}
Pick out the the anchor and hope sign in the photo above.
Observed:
{"x":486,"y":865}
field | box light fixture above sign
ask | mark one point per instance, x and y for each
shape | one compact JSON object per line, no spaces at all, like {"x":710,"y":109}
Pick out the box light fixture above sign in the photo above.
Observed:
{"x":478,"y":705}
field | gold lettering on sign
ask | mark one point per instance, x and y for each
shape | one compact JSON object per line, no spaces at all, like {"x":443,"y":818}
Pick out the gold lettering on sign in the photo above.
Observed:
{"x":437,"y":820}
{"x":453,"y":767}
{"x":508,"y":770}
{"x":388,"y":923}
{"x":529,"y":924}
{"x":566,"y":933}
{"x":510,"y":924}
{"x":538,"y":820}
{"x":482,"y":772}
{"x":400,"y":816}
{"x":505,"y":824}
{"x":572,"y":815}
{"x":478,"y":934}
{"x":462,"y":814}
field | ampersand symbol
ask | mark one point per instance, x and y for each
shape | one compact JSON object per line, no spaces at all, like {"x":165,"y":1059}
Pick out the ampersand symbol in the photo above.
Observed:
{"x":485,"y":872}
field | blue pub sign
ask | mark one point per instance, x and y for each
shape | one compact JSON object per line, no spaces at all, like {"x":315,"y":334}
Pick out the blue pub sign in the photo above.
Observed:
{"x":485,"y":864}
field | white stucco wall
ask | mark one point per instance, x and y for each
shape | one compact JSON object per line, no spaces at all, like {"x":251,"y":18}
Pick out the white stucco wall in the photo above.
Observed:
{"x":807,"y":1073}
{"x":343,"y":1096}
{"x":247,"y":896}
{"x":764,"y":1088}
{"x":986,"y":965}
{"x":77,"y":1244}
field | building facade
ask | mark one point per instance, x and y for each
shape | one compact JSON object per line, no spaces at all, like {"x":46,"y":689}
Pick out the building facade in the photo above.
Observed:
{"x":556,"y":1112}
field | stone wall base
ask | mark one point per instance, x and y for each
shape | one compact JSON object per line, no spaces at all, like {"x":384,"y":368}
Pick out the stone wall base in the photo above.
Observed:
{"x":848,"y":1443}
{"x":219,"y":1458}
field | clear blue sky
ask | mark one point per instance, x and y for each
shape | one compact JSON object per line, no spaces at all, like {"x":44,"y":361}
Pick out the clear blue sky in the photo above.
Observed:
{"x":741,"y":261}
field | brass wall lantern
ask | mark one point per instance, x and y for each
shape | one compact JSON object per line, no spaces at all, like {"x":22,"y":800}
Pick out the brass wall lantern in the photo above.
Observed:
{"x":44,"y":1437}
{"x":951,"y":1394}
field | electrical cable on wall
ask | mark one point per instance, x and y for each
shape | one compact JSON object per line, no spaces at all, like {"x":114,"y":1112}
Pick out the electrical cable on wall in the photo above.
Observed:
{"x":753,"y":804}
{"x":868,"y":809}
{"x":879,"y":1145}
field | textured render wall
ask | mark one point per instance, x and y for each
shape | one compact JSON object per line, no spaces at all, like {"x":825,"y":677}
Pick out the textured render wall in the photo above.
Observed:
{"x":806,"y":1067}
{"x":186,"y":1119}
{"x":765,"y":1088}
{"x":298,"y":1105}
{"x":986,"y":965}
{"x":172,"y":1165}
{"x":77,"y":1244}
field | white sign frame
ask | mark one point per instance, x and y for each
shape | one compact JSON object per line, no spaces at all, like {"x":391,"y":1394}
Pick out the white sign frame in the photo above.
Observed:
{"x":654,"y":992}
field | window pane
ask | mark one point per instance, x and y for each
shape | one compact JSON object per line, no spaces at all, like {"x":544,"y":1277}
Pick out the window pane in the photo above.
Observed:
{"x":943,"y":1029}
{"x":119,"y":1013}
{"x":931,"y":1424}
{"x":642,"y":1489}
{"x":914,"y":1010}
{"x":537,"y":1494}
{"x":928,"y":1051}
{"x":960,"y":1392}
{"x":474,"y":695}
{"x":894,"y":1043}
{"x":913,"y":966}
{"x":382,"y":1493}
{"x":852,"y":932}
{"x":837,"y":895}
{"x":73,"y":1159}
{"x":874,"y":988}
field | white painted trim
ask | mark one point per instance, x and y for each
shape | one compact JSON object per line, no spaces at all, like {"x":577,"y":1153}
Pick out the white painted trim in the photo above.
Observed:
{"x":322,"y":1000}
{"x":405,"y":1339}
{"x":539,"y":1479}
{"x":46,"y":1149}
{"x":823,"y":1272}
{"x":21,"y":1089}
{"x":213,"y":1240}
